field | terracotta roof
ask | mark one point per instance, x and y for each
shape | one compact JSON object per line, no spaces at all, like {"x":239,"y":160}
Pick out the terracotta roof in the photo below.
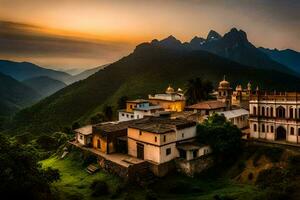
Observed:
{"x":161,"y":124}
{"x":208,"y":105}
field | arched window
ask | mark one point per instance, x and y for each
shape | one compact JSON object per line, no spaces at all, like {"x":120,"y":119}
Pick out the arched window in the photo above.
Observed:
{"x":272,"y":129}
{"x":267,"y":111}
{"x":291,"y":113}
{"x":271,"y":111}
{"x":254,"y":110}
{"x":258,"y":110}
{"x":263,"y":128}
{"x":292,"y":131}
{"x":280,"y":112}
{"x":255,"y":127}
{"x":263,"y":111}
{"x":298,"y":131}
{"x":98,"y":144}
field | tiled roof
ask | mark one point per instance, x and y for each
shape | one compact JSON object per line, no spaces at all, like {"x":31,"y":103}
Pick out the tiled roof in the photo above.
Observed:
{"x":208,"y":105}
{"x":234,"y":113}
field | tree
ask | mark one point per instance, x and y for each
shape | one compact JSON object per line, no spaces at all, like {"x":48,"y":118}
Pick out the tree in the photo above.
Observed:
{"x":220,"y":134}
{"x":197,"y":90}
{"x":108,"y":112}
{"x":96,"y":119}
{"x":122,"y":102}
{"x":75,"y":125}
{"x":21,"y":175}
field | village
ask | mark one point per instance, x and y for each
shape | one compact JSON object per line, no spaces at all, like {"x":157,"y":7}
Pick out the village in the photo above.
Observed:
{"x":158,"y":135}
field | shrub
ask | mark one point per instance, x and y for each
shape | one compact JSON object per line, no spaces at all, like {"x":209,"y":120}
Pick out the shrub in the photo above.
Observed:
{"x":180,"y":187}
{"x":23,"y":138}
{"x":46,"y":142}
{"x":99,"y":188}
{"x":272,"y":177}
{"x":250,"y":176}
{"x":150,"y":195}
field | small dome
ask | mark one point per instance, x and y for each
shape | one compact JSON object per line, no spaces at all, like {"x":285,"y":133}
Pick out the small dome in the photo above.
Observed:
{"x":239,"y":88}
{"x":224,"y":84}
{"x":179,"y":90}
{"x":169,"y":90}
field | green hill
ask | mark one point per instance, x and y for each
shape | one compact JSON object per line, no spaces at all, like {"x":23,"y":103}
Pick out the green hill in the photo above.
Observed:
{"x":44,"y":85}
{"x":14,"y":95}
{"x":149,"y":69}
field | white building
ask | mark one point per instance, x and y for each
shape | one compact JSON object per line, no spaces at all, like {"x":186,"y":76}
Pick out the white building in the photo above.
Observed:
{"x":161,"y":140}
{"x":238,"y":117}
{"x":137,"y":109}
{"x":84,"y":135}
{"x":275,"y":116}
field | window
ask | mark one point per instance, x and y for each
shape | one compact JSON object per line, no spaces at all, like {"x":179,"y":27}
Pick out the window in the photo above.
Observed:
{"x":137,"y":116}
{"x":255,"y":127}
{"x":263,"y":111}
{"x":182,"y":135}
{"x":271,"y":111}
{"x":168,"y":151}
{"x":195,"y":153}
{"x":272,"y":129}
{"x":267,"y":111}
{"x":258,"y":110}
{"x":81,"y":137}
{"x":130,"y":106}
{"x":131,"y":116}
{"x":98,"y":144}
{"x":254,"y":110}
{"x":127,"y":115}
{"x":123,"y":114}
{"x":263,"y":128}
{"x":140,"y":132}
{"x":298,"y":131}
{"x":155,"y":139}
{"x":291,"y":113}
{"x":165,"y":138}
{"x":292,"y":131}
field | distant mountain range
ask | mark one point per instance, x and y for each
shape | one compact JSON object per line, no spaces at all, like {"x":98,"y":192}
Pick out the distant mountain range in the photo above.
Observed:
{"x":25,"y":70}
{"x":15,"y":95}
{"x":234,"y":45}
{"x":23,"y":84}
{"x":287,"y":57}
{"x":44,"y":85}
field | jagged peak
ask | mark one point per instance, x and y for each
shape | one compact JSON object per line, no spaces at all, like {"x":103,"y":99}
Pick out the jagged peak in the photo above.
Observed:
{"x":213,"y":35}
{"x":235,"y":34}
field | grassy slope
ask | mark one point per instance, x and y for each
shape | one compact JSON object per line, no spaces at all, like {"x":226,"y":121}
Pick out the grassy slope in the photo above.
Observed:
{"x":75,"y":182}
{"x":148,"y":70}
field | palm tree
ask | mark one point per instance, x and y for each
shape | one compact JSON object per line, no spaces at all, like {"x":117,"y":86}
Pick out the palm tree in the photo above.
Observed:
{"x":197,"y":90}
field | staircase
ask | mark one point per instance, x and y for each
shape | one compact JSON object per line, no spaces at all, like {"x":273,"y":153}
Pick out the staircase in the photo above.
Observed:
{"x":92,"y":168}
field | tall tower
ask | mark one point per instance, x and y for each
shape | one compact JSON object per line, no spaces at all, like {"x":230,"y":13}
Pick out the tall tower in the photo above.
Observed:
{"x":225,"y":92}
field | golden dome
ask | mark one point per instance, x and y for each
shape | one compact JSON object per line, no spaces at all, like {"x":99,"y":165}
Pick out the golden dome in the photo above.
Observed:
{"x":169,"y":90}
{"x":224,"y":84}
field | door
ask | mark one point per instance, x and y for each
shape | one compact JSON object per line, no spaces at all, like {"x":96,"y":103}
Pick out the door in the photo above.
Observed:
{"x":140,"y":151}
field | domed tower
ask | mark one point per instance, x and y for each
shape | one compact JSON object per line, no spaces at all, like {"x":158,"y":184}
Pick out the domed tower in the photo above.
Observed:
{"x":249,"y":88}
{"x":169,"y":90}
{"x":225,"y":92}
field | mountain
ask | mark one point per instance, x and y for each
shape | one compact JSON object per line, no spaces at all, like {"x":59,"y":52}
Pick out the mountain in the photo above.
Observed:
{"x":25,"y":70}
{"x":85,"y":74}
{"x":149,"y":69}
{"x":234,"y":45}
{"x":287,"y":57}
{"x":15,"y":95}
{"x":44,"y":85}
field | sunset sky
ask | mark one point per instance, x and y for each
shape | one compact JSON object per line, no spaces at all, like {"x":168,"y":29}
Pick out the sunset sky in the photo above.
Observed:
{"x":88,"y":33}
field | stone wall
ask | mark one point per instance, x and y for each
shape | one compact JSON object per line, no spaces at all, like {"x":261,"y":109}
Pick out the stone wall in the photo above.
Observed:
{"x":195,"y":166}
{"x":163,"y":169}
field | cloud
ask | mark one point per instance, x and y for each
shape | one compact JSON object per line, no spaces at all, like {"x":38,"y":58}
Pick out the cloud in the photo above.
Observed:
{"x":21,"y":40}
